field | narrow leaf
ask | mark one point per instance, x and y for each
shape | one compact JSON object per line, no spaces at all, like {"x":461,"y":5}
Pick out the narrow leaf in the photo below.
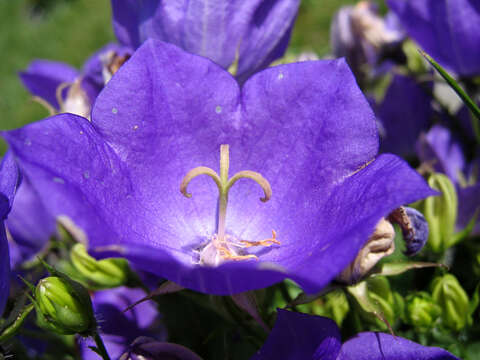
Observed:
{"x":460,"y":92}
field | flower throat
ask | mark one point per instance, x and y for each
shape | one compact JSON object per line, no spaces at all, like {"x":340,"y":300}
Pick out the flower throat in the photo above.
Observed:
{"x":221,"y":246}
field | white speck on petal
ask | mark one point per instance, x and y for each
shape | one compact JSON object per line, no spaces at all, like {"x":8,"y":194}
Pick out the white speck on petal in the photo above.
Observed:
{"x":135,"y":127}
{"x":280,"y":76}
{"x":114,"y":110}
{"x":86,"y":174}
{"x":218,"y":109}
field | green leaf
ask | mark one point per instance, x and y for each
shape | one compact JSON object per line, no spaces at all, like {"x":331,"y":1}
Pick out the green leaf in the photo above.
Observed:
{"x":397,"y":268}
{"x":460,"y":92}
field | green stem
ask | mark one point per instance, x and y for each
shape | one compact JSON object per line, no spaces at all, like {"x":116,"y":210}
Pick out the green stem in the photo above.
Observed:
{"x":13,"y":328}
{"x":101,"y":350}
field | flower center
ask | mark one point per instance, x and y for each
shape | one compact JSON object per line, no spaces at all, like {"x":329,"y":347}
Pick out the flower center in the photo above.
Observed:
{"x":222,"y":247}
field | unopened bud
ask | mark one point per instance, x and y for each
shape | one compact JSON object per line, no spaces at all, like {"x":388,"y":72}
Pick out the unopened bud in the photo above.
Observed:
{"x":63,"y":306}
{"x":100,"y":274}
{"x":333,"y":305}
{"x":390,"y":303}
{"x":422,"y":312}
{"x":441,"y":213}
{"x":453,"y":300}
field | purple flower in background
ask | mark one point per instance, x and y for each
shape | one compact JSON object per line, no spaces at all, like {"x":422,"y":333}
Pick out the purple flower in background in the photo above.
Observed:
{"x":257,"y":31}
{"x":9,"y":180}
{"x":404,"y":113}
{"x":445,"y":29}
{"x":62,"y":88}
{"x":301,"y":136}
{"x":443,"y":152}
{"x":119,"y":328}
{"x":360,"y":35}
{"x":301,"y":336}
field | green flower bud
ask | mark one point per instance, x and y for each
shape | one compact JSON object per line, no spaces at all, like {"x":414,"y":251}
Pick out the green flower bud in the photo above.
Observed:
{"x":441,"y":213}
{"x":390,"y":304}
{"x":64,"y":306}
{"x":453,"y":300}
{"x":333,"y":305}
{"x":422,"y":312}
{"x":100,"y":274}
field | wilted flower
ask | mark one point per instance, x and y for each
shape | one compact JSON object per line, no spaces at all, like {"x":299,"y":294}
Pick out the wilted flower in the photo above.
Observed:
{"x":301,"y":336}
{"x":9,"y":181}
{"x":118,"y":327}
{"x":446,"y":30}
{"x":301,"y":134}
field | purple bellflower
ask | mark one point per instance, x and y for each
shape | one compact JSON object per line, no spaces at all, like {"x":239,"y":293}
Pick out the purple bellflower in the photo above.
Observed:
{"x":119,"y":328}
{"x":62,"y":88}
{"x":444,"y":153}
{"x":256,"y":32}
{"x":169,"y":172}
{"x":404,"y":113}
{"x":301,"y":336}
{"x":9,"y":181}
{"x":447,"y":30}
{"x":360,"y":35}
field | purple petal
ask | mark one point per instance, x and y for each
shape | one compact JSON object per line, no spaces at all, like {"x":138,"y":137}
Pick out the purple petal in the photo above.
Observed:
{"x":118,"y":328}
{"x":29,"y":223}
{"x":166,"y":112}
{"x":404,"y":113}
{"x":149,"y":349}
{"x":468,"y":205}
{"x":9,"y":179}
{"x":447,"y":30}
{"x":373,"y":346}
{"x":42,"y":78}
{"x":258,"y":29}
{"x":439,"y":148}
{"x":301,"y":336}
{"x":93,"y":78}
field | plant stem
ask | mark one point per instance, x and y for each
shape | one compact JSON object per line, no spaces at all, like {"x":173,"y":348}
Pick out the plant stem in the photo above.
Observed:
{"x":101,"y":350}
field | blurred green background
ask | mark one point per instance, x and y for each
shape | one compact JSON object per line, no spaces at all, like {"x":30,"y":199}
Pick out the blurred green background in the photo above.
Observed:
{"x":71,"y":30}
